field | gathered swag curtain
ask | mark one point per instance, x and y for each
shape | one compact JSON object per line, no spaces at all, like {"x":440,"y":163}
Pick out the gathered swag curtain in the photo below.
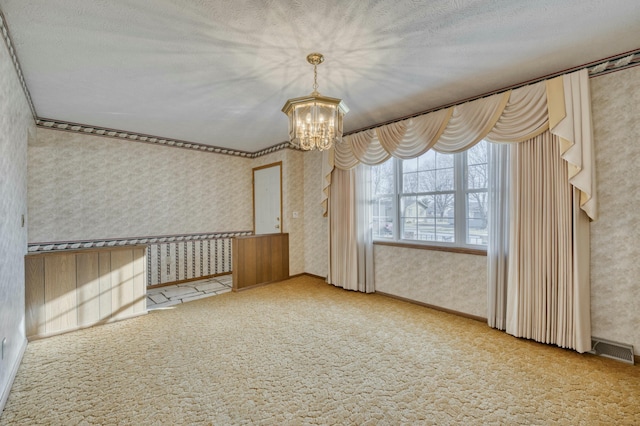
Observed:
{"x":559,"y":107}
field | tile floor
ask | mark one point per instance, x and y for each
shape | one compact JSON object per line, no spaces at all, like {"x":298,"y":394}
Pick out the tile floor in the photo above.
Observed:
{"x":180,"y":293}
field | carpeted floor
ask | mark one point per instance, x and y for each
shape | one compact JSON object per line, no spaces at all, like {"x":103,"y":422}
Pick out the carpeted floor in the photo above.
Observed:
{"x":303,"y":352}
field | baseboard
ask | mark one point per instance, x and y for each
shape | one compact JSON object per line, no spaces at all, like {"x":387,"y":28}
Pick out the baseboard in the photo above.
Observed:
{"x":14,"y":371}
{"x":304,"y":274}
{"x":82,"y":327}
{"x":436,"y":308}
{"x":307,"y":274}
{"x":251,"y":287}
{"x":204,"y":277}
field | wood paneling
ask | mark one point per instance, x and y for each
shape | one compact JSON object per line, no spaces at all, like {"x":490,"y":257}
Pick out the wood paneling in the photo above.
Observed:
{"x":88,"y":288}
{"x":68,"y":290}
{"x":34,"y":296}
{"x":60,"y":300}
{"x":122,"y":283}
{"x":139,"y":281}
{"x":263,"y":251}
{"x":244,"y":262}
{"x":280,"y":257}
{"x":260,"y":259}
{"x":105,"y":285}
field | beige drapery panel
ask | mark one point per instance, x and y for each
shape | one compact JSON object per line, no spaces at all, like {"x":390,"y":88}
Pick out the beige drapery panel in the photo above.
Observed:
{"x":547,"y":288}
{"x":561,"y":104}
{"x":350,"y":244}
{"x":343,"y":251}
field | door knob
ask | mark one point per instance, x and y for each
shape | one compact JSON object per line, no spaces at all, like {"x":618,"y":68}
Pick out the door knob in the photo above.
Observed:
{"x":277,"y":226}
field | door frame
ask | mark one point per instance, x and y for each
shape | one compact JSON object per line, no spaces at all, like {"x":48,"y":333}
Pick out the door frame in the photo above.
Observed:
{"x":253,"y":192}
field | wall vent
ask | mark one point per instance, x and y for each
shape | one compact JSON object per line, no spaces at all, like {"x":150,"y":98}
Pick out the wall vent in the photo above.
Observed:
{"x":613,"y":350}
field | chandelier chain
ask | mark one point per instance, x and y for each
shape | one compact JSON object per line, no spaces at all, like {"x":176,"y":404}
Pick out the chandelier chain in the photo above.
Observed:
{"x":315,"y":78}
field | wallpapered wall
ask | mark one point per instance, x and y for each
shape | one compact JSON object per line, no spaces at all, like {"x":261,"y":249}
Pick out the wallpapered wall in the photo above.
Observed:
{"x":457,"y":281}
{"x":315,"y":225}
{"x":16,"y":126}
{"x":91,"y":187}
{"x":448,"y":280}
{"x":615,"y":237}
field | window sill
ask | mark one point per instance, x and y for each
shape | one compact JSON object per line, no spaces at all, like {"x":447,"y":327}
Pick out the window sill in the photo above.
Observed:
{"x":462,"y":250}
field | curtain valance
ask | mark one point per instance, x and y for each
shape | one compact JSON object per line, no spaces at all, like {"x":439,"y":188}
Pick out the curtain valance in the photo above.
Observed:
{"x":561,"y":104}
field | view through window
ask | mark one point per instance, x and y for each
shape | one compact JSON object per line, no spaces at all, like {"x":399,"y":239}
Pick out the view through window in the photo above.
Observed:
{"x":435,"y":198}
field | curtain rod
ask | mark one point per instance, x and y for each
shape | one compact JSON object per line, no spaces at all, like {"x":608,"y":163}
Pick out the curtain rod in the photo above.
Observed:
{"x":606,"y":69}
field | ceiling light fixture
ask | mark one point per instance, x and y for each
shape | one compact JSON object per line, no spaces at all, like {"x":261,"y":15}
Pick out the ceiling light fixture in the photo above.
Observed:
{"x":315,"y":121}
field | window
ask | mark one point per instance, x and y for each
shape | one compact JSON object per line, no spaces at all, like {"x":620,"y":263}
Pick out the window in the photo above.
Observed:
{"x":435,"y":198}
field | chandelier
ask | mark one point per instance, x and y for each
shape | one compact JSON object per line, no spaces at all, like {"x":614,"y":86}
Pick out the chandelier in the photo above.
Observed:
{"x":315,"y":121}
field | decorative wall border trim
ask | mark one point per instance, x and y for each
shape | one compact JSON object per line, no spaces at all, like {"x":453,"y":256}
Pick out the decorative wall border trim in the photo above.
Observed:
{"x":615,"y":63}
{"x":86,"y":129}
{"x":274,"y":148}
{"x":6,"y":36}
{"x":117,"y":242}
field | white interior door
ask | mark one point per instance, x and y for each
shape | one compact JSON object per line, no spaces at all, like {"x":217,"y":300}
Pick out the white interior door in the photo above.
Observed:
{"x":267,"y":199}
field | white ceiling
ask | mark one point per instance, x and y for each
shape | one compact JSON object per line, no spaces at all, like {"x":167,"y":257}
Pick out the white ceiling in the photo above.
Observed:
{"x":218,"y":72}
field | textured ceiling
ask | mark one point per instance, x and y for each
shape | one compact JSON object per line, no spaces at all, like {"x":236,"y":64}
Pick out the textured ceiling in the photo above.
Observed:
{"x":218,"y":72}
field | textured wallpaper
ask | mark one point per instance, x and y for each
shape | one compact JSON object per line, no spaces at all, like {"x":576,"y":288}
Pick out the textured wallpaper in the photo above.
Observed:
{"x":615,"y":237}
{"x":91,"y":187}
{"x":444,"y":279}
{"x":294,"y":202}
{"x":16,"y":127}
{"x":315,"y":225}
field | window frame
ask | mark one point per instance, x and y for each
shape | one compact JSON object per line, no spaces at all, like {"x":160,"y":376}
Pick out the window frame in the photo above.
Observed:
{"x":461,"y":225}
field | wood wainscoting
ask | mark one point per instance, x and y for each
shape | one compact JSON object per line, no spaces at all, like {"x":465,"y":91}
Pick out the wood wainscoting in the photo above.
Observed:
{"x":74,"y":289}
{"x":260,"y":259}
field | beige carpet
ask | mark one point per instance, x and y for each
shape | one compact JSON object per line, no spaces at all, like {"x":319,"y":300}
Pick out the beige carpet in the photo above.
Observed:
{"x":303,"y":352}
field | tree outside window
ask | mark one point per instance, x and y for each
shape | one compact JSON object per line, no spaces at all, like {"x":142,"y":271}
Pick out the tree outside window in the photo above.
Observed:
{"x":436,"y":198}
